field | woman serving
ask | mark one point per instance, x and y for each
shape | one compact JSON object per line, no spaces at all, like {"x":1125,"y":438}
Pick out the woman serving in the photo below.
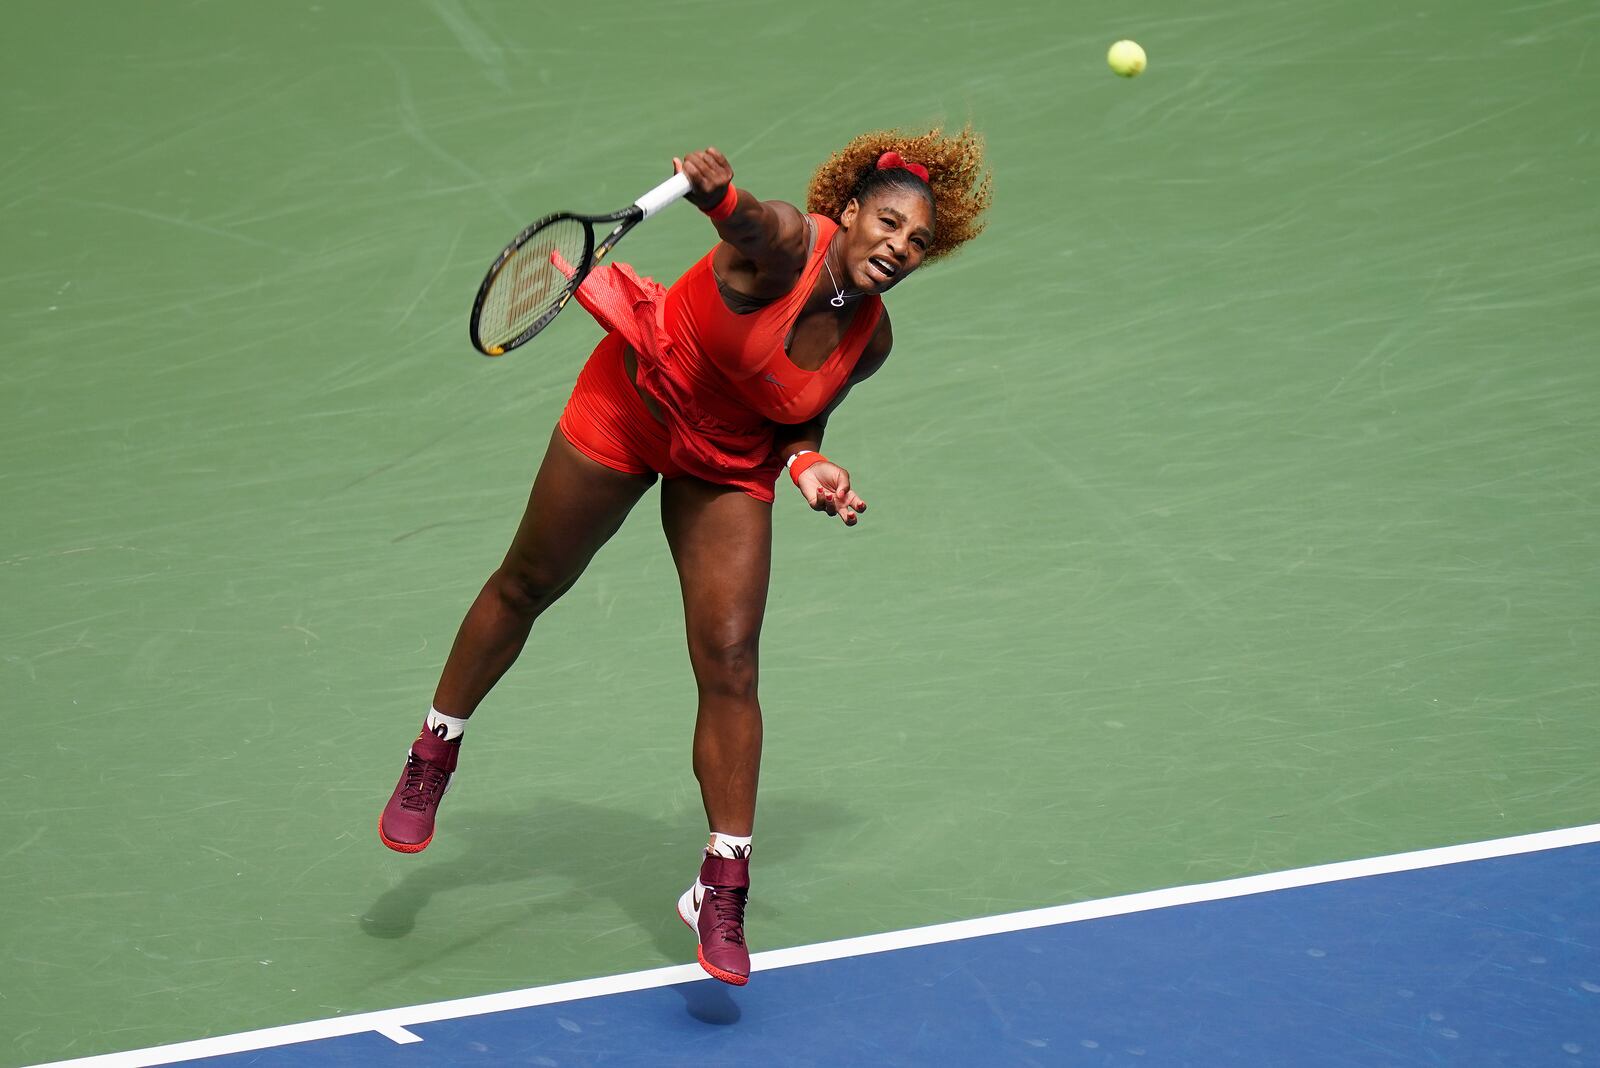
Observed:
{"x":716,"y":385}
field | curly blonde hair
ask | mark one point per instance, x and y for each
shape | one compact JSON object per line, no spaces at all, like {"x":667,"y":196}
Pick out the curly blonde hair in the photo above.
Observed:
{"x":957,"y":179}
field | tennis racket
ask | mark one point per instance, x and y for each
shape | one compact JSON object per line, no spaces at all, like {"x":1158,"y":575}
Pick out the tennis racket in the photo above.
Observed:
{"x":534,"y":277}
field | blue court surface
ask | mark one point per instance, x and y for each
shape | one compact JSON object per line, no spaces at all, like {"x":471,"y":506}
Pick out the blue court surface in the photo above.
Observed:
{"x":1422,"y":959}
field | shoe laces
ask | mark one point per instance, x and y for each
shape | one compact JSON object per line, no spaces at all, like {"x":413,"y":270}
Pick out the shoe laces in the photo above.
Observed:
{"x":727,"y":912}
{"x":425,"y":782}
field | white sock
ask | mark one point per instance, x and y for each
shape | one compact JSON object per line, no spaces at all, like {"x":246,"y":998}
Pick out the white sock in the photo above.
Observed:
{"x":729,"y":846}
{"x":452,"y":727}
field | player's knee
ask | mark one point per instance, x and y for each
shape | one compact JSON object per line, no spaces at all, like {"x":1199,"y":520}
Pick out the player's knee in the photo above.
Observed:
{"x":528,"y":591}
{"x":725,"y":663}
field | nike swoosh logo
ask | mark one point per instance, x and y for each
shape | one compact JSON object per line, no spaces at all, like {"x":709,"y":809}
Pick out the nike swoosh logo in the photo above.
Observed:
{"x":774,"y":380}
{"x":697,"y":899}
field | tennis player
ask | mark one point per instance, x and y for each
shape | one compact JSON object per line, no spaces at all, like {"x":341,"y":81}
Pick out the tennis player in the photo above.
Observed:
{"x":717,"y":385}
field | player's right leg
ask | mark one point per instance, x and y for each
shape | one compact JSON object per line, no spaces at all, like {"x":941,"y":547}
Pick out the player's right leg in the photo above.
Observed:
{"x":576,"y":505}
{"x":721,"y":541}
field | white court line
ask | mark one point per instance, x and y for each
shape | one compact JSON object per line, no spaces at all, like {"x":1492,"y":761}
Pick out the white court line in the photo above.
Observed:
{"x":397,"y":1034}
{"x":393,"y":1022}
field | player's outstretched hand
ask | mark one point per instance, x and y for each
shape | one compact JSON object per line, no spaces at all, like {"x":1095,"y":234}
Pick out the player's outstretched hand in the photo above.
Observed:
{"x":709,"y":175}
{"x":826,"y":487}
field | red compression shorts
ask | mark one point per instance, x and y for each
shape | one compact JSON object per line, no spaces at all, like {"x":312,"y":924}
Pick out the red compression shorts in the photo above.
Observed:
{"x":607,"y":422}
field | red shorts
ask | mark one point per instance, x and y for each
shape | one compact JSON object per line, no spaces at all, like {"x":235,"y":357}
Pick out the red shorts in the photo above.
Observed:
{"x":607,"y":421}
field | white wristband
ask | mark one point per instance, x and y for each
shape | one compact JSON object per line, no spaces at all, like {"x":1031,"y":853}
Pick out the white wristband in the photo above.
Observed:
{"x":790,"y":461}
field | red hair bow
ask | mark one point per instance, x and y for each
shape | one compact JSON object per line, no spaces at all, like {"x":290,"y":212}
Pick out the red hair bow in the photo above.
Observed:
{"x":892,"y":160}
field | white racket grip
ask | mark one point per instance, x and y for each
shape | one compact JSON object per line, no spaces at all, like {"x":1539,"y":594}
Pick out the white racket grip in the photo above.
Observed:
{"x":668,"y":191}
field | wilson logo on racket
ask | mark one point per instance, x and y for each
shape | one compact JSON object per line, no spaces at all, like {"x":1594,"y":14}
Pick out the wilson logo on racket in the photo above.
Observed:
{"x":529,"y":288}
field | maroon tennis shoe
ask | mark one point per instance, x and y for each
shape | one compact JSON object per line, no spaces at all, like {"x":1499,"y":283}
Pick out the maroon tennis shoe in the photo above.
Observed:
{"x":714,"y":907}
{"x":406,"y":825}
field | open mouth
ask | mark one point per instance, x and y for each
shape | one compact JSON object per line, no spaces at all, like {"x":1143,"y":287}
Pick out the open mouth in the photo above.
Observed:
{"x":880,"y":270}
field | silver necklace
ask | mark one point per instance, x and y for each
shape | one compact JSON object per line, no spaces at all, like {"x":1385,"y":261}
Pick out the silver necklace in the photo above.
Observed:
{"x":837,"y":300}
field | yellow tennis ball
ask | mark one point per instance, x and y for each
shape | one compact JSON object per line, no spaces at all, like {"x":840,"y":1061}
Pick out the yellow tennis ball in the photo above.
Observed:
{"x":1126,"y":58}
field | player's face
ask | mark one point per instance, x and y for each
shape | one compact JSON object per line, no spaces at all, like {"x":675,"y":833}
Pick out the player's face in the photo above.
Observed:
{"x":886,"y":238}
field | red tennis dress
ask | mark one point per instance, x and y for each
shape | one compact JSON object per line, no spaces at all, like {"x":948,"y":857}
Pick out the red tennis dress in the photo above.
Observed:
{"x":721,"y":379}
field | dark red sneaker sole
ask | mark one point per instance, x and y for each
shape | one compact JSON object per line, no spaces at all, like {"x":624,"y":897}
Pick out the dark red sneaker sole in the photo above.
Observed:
{"x":402,"y":847}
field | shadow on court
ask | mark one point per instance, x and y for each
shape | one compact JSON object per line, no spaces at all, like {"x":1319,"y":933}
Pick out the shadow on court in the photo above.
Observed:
{"x":637,"y":861}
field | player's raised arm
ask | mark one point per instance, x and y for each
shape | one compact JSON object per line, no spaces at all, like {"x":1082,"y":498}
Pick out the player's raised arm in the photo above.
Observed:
{"x":770,"y":235}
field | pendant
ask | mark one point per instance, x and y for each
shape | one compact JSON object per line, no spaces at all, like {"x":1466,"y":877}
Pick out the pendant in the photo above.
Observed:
{"x":837,"y":301}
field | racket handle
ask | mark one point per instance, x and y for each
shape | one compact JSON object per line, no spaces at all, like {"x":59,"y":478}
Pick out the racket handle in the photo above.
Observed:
{"x":668,"y":191}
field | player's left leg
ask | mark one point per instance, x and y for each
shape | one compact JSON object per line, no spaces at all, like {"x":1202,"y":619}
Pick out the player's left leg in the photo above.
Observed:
{"x":721,"y":541}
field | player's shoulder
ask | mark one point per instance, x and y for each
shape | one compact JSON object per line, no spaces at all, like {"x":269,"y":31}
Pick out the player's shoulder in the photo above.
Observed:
{"x":882,"y":339}
{"x":793,"y":225}
{"x":876,"y":350}
{"x":777,"y":244}
{"x":789,"y":213}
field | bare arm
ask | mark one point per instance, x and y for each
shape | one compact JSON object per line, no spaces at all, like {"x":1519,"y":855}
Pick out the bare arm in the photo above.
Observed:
{"x":826,"y":485}
{"x":764,"y":241}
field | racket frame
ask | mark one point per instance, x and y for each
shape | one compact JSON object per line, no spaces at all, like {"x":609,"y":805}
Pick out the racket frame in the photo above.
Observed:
{"x":662,"y":195}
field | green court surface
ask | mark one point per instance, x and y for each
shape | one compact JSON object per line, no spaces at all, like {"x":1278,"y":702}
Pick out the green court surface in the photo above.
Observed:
{"x":1233,"y":499}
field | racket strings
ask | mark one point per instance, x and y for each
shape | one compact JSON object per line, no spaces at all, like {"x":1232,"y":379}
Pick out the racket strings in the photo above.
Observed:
{"x":533,"y":282}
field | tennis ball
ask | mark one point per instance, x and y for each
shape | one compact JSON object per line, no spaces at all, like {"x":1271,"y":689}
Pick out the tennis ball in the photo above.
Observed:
{"x":1126,"y":58}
